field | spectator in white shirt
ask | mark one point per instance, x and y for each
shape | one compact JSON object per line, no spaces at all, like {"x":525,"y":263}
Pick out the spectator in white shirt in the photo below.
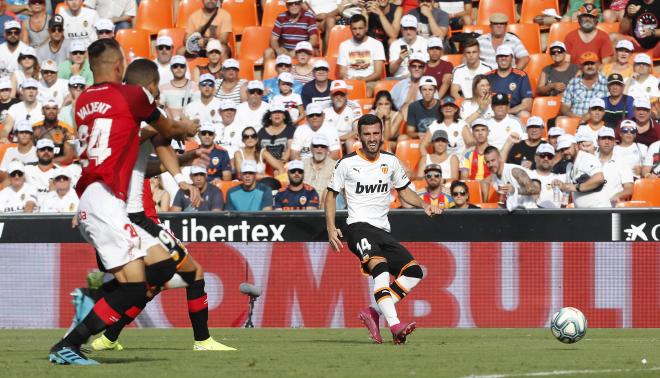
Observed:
{"x":79,"y":21}
{"x":361,"y":57}
{"x":18,"y":197}
{"x":226,"y":131}
{"x":63,"y":198}
{"x":11,"y":48}
{"x":404,"y":47}
{"x":28,"y":109}
{"x":651,"y":167}
{"x":643,"y":84}
{"x":39,"y":174}
{"x":28,"y":67}
{"x":343,"y":114}
{"x":543,"y":159}
{"x":207,"y":108}
{"x":251,"y":112}
{"x":179,"y":91}
{"x":76,"y":86}
{"x":105,"y":29}
{"x":301,"y":147}
{"x":24,"y":151}
{"x":631,"y":153}
{"x":502,"y":124}
{"x":52,"y":87}
{"x":618,"y":178}
{"x":120,"y":12}
{"x":464,"y":74}
{"x":164,"y":53}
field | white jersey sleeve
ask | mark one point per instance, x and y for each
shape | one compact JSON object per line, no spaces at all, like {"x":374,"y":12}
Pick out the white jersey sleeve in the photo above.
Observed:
{"x":338,"y":179}
{"x":399,"y":177}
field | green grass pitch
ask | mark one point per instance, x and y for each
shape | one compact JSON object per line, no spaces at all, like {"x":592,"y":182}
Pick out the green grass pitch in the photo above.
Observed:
{"x":155,"y":353}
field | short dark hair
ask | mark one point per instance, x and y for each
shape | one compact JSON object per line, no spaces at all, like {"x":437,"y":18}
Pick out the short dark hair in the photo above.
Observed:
{"x":141,"y":72}
{"x":491,"y":149}
{"x":357,"y":18}
{"x":456,"y":184}
{"x":98,"y":48}
{"x":471,"y":42}
{"x":368,"y":119}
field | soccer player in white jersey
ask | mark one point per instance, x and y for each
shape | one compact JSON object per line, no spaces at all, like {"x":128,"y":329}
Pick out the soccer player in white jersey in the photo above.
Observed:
{"x":79,"y":22}
{"x":366,"y":178}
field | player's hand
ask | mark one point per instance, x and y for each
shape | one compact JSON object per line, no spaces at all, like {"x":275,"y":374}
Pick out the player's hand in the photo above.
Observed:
{"x":334,"y":237}
{"x":191,"y":126}
{"x":74,"y":221}
{"x":432,"y":210}
{"x":192,"y":192}
{"x":505,"y":188}
{"x":202,"y":156}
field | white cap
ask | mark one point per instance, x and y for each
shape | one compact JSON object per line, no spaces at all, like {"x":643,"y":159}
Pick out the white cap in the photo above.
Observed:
{"x":23,"y":125}
{"x":14,"y":166}
{"x":606,"y":132}
{"x":409,"y":21}
{"x":5,"y":83}
{"x":177,"y":59}
{"x":49,"y":65}
{"x":628,"y":123}
{"x":28,"y":51}
{"x":583,"y":137}
{"x":642,"y":58}
{"x":642,"y":102}
{"x":231,"y":63}
{"x":565,"y":141}
{"x":295,"y":164}
{"x":338,"y":86}
{"x":321,"y":64}
{"x":30,"y":83}
{"x":504,"y":50}
{"x":283,"y":59}
{"x":545,"y":148}
{"x":320,"y":140}
{"x":249,"y":166}
{"x":206,"y":77}
{"x":255,"y":84}
{"x":313,"y":108}
{"x":556,"y":131}
{"x":45,"y":142}
{"x":78,"y":45}
{"x":227,"y":105}
{"x":304,"y":46}
{"x":164,"y":40}
{"x":419,"y":57}
{"x":559,"y":44}
{"x":596,"y":103}
{"x":50,"y":103}
{"x":77,"y":79}
{"x":276,"y":107}
{"x":57,"y":172}
{"x":206,"y":126}
{"x":625,"y":44}
{"x":196,"y":169}
{"x":480,"y":122}
{"x":434,"y":42}
{"x":213,"y":45}
{"x":285,"y":77}
{"x":427,"y":80}
{"x":12,"y":24}
{"x":104,"y":24}
{"x":535,"y":121}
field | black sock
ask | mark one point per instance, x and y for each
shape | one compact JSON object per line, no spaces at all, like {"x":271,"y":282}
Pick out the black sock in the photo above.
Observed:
{"x":198,"y":310}
{"x":113,"y":331}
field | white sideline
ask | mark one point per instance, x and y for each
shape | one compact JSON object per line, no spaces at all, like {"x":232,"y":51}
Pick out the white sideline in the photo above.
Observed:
{"x":564,"y":372}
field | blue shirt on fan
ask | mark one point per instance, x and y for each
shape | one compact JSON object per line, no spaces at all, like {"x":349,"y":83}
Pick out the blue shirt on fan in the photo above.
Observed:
{"x":515,"y":85}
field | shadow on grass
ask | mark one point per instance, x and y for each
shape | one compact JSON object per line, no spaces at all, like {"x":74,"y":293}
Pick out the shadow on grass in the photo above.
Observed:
{"x":351,"y":342}
{"x":112,"y":361}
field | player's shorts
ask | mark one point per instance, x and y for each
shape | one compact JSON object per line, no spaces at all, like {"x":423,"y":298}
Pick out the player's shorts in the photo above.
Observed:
{"x":367,"y":241}
{"x":104,"y":223}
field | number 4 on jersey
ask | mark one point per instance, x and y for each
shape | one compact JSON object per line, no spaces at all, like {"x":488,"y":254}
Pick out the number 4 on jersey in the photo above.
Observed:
{"x":97,"y":146}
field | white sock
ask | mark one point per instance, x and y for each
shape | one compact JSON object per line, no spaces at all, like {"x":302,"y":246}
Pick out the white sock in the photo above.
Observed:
{"x":407,"y":283}
{"x":386,"y":304}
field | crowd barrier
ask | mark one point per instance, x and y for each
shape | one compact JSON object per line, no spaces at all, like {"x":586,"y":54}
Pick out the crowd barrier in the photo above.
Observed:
{"x":482,"y":269}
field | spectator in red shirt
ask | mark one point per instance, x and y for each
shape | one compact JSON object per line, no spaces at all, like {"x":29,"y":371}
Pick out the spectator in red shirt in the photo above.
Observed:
{"x":648,"y":130}
{"x":291,"y":27}
{"x":440,"y":69}
{"x":588,"y":37}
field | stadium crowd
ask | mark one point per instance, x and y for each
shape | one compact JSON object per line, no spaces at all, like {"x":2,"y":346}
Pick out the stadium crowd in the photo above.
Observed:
{"x":478,"y":113}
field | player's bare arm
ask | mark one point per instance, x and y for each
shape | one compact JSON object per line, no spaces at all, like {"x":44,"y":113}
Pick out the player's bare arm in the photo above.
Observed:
{"x":169,"y":160}
{"x":334,"y":234}
{"x":527,"y":188}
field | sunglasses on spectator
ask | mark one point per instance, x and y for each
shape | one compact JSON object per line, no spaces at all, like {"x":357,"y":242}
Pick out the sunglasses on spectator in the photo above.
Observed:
{"x":256,"y":91}
{"x":589,"y":63}
{"x":432,"y":175}
{"x":13,"y":32}
{"x":77,"y":53}
{"x":458,"y":194}
{"x":417,"y":66}
{"x":16,"y":174}
{"x":56,"y":30}
{"x":322,"y":69}
{"x":314,"y":115}
{"x":207,"y":84}
{"x":164,"y":47}
{"x":628,"y":130}
{"x":498,"y":23}
{"x":249,"y":136}
{"x":283,"y":65}
{"x":286,"y":83}
{"x":318,"y":146}
{"x":546,"y":156}
{"x":77,"y":86}
{"x":37,"y":2}
{"x":102,"y":32}
{"x":298,"y":171}
{"x":206,"y":133}
{"x":175,"y":66}
{"x":61,"y":178}
{"x":49,"y":149}
{"x":46,"y":72}
{"x":556,"y":52}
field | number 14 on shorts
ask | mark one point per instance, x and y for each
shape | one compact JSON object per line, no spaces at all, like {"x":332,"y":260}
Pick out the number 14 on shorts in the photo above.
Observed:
{"x":363,"y":247}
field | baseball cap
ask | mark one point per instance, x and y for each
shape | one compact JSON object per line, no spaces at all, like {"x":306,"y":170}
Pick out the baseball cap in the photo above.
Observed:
{"x":227,"y":105}
{"x":57,"y":172}
{"x":628,"y":123}
{"x":642,"y":59}
{"x":320,"y":140}
{"x":433,"y":167}
{"x":480,"y":122}
{"x":276,"y":107}
{"x":583,"y":137}
{"x":255,"y":84}
{"x":500,"y":99}
{"x":249,"y":166}
{"x":78,"y":45}
{"x":295,"y":164}
{"x":589,"y":56}
{"x":49,"y":65}
{"x":12,"y":24}
{"x":596,"y":103}
{"x":207,"y":126}
{"x":545,"y":148}
{"x":76,"y":79}
{"x":535,"y":121}
{"x":625,"y":44}
{"x":44,"y":143}
{"x":321,"y":64}
{"x":565,"y":141}
{"x":642,"y":102}
{"x":427,"y":80}
{"x":615,"y":78}
{"x":498,"y":18}
{"x":418,"y":57}
{"x":14,"y":166}
{"x":104,"y":24}
{"x":313,"y":108}
{"x":207,"y":77}
{"x":448,"y":100}
{"x":23,"y":125}
{"x":213,"y":45}
{"x":440,"y":134}
{"x":56,"y":20}
{"x":164,"y":40}
{"x":557,"y":45}
{"x":409,"y":21}
{"x":196,"y":170}
{"x":338,"y":86}
{"x":283,"y":59}
{"x":177,"y":59}
{"x":28,"y":51}
{"x":588,"y":10}
{"x":285,"y":77}
{"x":304,"y":46}
{"x":29,"y":83}
{"x":505,"y":50}
{"x":606,"y":132}
{"x":231,"y":63}
{"x":434,"y":42}
{"x":556,"y":132}
{"x":50,"y":103}
{"x":5,"y":83}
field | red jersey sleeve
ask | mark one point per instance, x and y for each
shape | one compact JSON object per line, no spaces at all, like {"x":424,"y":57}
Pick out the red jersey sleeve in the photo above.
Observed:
{"x":141,"y":103}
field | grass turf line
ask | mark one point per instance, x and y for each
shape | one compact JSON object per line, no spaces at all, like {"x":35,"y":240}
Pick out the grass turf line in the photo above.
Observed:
{"x":342,"y":353}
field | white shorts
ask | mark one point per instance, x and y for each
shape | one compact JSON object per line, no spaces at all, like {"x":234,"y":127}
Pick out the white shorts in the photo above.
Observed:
{"x":146,"y":239}
{"x":103,"y":222}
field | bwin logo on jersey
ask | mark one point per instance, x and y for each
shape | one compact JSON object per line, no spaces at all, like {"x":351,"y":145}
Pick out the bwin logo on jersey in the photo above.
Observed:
{"x":373,"y":188}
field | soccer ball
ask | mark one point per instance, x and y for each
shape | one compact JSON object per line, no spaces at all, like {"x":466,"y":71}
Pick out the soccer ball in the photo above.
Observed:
{"x":568,"y":325}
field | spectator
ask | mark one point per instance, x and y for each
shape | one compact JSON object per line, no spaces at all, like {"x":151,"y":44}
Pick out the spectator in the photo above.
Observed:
{"x":478,"y":106}
{"x":406,"y":46}
{"x":220,"y":27}
{"x":621,"y":64}
{"x":18,"y":197}
{"x":544,"y":159}
{"x":584,"y":175}
{"x":164,"y":51}
{"x":207,"y":108}
{"x":24,"y":151}
{"x":56,"y":48}
{"x":277,"y":132}
{"x":440,"y":69}
{"x":384,"y":20}
{"x":231,"y":86}
{"x":458,"y":11}
{"x":63,"y":198}
{"x":510,"y":181}
{"x":433,"y":193}
{"x":406,"y":91}
{"x":651,"y":167}
{"x":79,"y":22}
{"x":318,"y":90}
{"x":618,"y":106}
{"x":629,"y":152}
{"x":556,"y":76}
{"x":4,"y":17}
{"x":422,"y":113}
{"x":297,"y":195}
{"x":640,"y":26}
{"x":105,"y":29}
{"x":618,"y":177}
{"x":178,"y":92}
{"x":502,"y":124}
{"x":587,"y":38}
{"x":553,"y":134}
{"x":283,"y":63}
{"x":291,"y":27}
{"x":432,"y":22}
{"x":59,"y":132}
{"x":512,"y":82}
{"x":302,"y":138}
{"x":302,"y":70}
{"x":464,"y":74}
{"x":33,"y":29}
{"x":11,"y":48}
{"x":214,"y":54}
{"x":361,"y":57}
{"x":6,"y":100}
{"x":522,"y":152}
{"x":251,"y":112}
{"x":76,"y":86}
{"x":250,"y":195}
{"x":39,"y":175}
{"x":292,"y":101}
{"x":473,"y":166}
{"x":343,"y":114}
{"x":251,"y":150}
{"x":160,"y":196}
{"x":326,"y":13}
{"x":582,"y":88}
{"x":28,"y":67}
{"x":594,"y":118}
{"x":585,"y":142}
{"x":449,"y":120}
{"x":498,"y":37}
{"x":227,"y":125}
{"x":642,"y":84}
{"x":119,"y":12}
{"x":77,"y":64}
{"x":383,"y":107}
{"x":648,"y":129}
{"x":573,"y":7}
{"x":319,"y":166}
{"x":212,"y":199}
{"x":51,"y":85}
{"x":461,"y":195}
{"x":219,"y":167}
{"x":440,"y":156}
{"x":28,"y":109}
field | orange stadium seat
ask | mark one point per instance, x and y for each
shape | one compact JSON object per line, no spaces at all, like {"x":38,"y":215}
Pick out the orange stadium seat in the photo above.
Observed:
{"x":454,"y":59}
{"x":633,"y":204}
{"x":134,"y":40}
{"x":247,"y":69}
{"x":529,"y":34}
{"x":569,"y":124}
{"x":479,"y":29}
{"x":243,"y":14}
{"x":647,"y":189}
{"x":178,"y":35}
{"x":272,"y":9}
{"x":356,"y":89}
{"x":192,"y":63}
{"x":536,"y":64}
{"x":365,"y":104}
{"x":269,"y":69}
{"x":558,"y":31}
{"x":546,"y":107}
{"x":408,"y":152}
{"x":4,"y":147}
{"x":224,"y":186}
{"x":333,"y":74}
{"x":254,"y":41}
{"x":474,"y":188}
{"x":488,"y":7}
{"x":533,"y":8}
{"x":154,"y":15}
{"x":186,"y":8}
{"x":609,"y":27}
{"x":338,"y":34}
{"x":384,"y":85}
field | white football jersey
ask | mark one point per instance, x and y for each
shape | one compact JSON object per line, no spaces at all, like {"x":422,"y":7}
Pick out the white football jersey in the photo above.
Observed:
{"x":38,"y":178}
{"x":51,"y":202}
{"x":204,"y":113}
{"x":80,"y":26}
{"x":366,"y":184}
{"x":12,"y":201}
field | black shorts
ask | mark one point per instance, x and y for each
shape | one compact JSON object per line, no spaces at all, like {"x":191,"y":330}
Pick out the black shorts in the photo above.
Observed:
{"x":367,"y":241}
